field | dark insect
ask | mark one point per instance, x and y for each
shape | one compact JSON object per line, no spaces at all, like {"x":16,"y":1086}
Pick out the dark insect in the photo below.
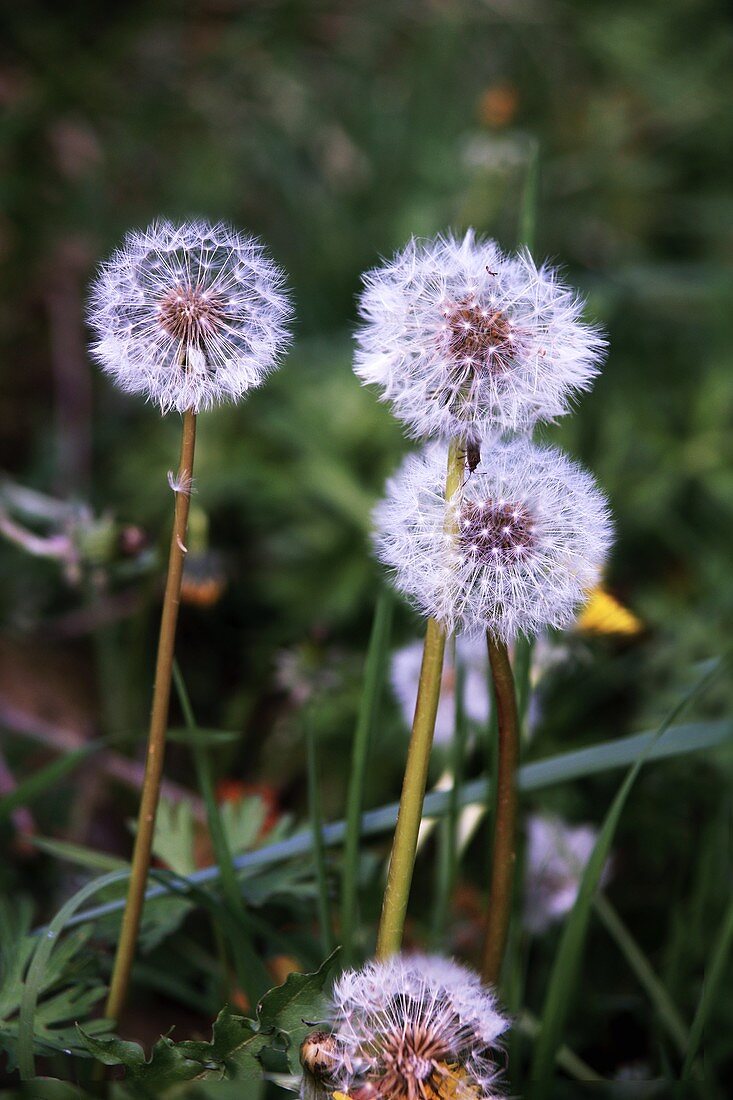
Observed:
{"x":473,"y":456}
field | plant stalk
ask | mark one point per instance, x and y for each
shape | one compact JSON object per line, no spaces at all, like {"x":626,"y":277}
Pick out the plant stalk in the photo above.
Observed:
{"x":404,"y":845}
{"x":503,"y":856}
{"x":158,"y":725}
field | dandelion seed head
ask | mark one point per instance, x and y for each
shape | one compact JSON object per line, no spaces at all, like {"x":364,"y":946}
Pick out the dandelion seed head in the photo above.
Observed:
{"x":416,"y":1026}
{"x":464,"y":340}
{"x":189,"y":314}
{"x":515,"y":550}
{"x":556,"y":857}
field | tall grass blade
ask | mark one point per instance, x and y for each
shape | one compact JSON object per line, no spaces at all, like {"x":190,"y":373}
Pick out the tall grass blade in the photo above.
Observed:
{"x":714,"y":975}
{"x":374,"y":677}
{"x":564,"y":974}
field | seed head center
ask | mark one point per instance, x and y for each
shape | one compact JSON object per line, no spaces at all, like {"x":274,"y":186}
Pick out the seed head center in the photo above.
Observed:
{"x":190,"y":314}
{"x":494,"y":532}
{"x":480,"y":337}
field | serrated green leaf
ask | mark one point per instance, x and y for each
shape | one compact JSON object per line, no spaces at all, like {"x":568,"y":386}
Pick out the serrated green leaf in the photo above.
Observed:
{"x":236,"y":1043}
{"x":68,"y":991}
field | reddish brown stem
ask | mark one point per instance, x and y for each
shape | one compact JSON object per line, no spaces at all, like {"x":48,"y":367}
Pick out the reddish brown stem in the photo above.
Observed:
{"x":503,"y":856}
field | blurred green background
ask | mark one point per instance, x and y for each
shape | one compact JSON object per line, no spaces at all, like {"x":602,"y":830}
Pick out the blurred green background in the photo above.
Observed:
{"x":335,"y":131}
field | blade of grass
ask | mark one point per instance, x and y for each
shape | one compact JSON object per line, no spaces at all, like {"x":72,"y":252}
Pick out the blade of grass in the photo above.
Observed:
{"x":644,"y":972}
{"x":240,"y":947}
{"x":566,"y":965}
{"x":714,"y":975}
{"x":529,"y":1025}
{"x":374,"y":676}
{"x":676,"y":741}
{"x":46,"y":778}
{"x":319,"y":850}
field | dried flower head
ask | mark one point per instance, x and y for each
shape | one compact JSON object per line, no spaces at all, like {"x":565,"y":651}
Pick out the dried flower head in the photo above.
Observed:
{"x":463,"y":339}
{"x":414,"y":1028}
{"x":189,"y":315}
{"x":556,"y":858}
{"x":472,"y":656}
{"x":514,"y":551}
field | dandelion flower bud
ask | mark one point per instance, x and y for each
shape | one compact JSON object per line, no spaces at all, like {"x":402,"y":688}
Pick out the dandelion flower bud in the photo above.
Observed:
{"x":515,"y":550}
{"x":414,"y":1027}
{"x":464,"y":340}
{"x":189,"y":315}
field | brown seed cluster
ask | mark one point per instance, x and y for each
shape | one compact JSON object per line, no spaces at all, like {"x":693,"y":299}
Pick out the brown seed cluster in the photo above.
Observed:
{"x":479,"y":337}
{"x":189,"y":314}
{"x":495,"y":531}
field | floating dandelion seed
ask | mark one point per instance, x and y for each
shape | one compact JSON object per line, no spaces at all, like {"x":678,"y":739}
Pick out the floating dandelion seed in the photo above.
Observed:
{"x":464,"y":340}
{"x":189,"y":315}
{"x":422,"y":1028}
{"x":514,"y":551}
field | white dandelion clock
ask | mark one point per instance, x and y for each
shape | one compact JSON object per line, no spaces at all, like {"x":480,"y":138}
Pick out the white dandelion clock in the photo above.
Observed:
{"x":464,"y":340}
{"x":556,"y":857}
{"x":515,"y":550}
{"x":472,"y":657}
{"x":421,"y":1027}
{"x":189,"y":315}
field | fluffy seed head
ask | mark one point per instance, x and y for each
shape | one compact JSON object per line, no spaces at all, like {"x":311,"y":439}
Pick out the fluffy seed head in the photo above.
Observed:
{"x":463,"y":339}
{"x":515,"y":550}
{"x":189,"y":314}
{"x":556,"y":857}
{"x":415,"y":1027}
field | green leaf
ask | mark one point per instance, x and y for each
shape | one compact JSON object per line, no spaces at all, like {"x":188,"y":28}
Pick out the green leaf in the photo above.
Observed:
{"x":236,"y":1043}
{"x":67,"y":991}
{"x":566,"y":965}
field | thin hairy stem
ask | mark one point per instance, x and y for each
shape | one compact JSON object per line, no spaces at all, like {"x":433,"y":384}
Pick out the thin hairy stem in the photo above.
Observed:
{"x":404,"y":845}
{"x":158,"y":725}
{"x":503,"y":856}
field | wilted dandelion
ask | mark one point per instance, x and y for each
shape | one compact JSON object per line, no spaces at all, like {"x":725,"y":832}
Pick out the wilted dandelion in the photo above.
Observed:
{"x":556,"y":857}
{"x":189,"y":314}
{"x":472,"y":656}
{"x":463,"y":339}
{"x":413,"y":1028}
{"x":514,"y":550}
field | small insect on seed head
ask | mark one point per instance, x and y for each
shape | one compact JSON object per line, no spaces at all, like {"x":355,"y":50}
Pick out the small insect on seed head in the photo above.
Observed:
{"x":464,"y":340}
{"x":515,"y":550}
{"x":189,"y":315}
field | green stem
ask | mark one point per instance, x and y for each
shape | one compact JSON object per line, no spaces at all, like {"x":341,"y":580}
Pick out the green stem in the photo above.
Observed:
{"x":156,"y":737}
{"x":319,"y":848}
{"x":374,"y":672}
{"x":404,"y":845}
{"x":503,"y":856}
{"x":649,"y":981}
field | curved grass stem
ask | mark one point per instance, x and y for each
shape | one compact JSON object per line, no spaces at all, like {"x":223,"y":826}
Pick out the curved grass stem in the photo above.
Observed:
{"x":158,"y":725}
{"x":503,"y":856}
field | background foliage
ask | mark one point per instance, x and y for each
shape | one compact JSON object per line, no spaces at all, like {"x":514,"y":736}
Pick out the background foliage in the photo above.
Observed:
{"x":335,"y":131}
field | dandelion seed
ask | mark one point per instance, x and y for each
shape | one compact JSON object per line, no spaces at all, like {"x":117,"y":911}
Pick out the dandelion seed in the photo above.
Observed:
{"x":556,"y":857}
{"x":418,"y":1027}
{"x":189,"y":315}
{"x":464,"y":340}
{"x":516,"y":549}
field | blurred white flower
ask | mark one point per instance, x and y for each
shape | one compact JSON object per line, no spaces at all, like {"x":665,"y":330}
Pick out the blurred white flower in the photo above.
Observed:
{"x":417,"y":1026}
{"x":555,"y":859}
{"x":463,"y":339}
{"x":189,"y":314}
{"x":514,"y":550}
{"x":472,"y":656}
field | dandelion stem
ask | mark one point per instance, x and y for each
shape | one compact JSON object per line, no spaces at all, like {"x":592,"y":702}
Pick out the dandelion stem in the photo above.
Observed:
{"x":503,"y":856}
{"x":158,"y":725}
{"x":404,"y":845}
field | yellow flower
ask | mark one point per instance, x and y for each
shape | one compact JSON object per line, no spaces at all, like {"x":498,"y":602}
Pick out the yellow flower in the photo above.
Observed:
{"x":603,"y":614}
